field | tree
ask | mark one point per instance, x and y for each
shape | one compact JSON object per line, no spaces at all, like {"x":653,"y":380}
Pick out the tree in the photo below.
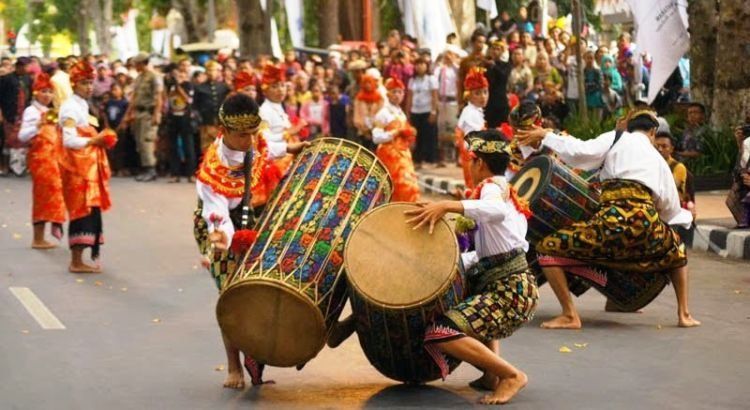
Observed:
{"x":719,"y":56}
{"x":254,"y":28}
{"x":328,"y":17}
{"x":101,"y":13}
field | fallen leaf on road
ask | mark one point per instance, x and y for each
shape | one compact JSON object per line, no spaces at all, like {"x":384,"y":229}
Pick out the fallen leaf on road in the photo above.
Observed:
{"x":156,"y":320}
{"x":98,"y":283}
{"x":737,"y":291}
{"x":26,"y":332}
{"x":580,"y":345}
{"x":219,"y":368}
{"x":7,"y":190}
{"x":179,"y":290}
{"x":4,"y":225}
{"x":658,"y":327}
{"x":565,"y":349}
{"x":195,"y":266}
{"x":28,"y":224}
{"x":143,"y":211}
{"x":124,"y":289}
{"x":17,"y":236}
{"x":80,"y":280}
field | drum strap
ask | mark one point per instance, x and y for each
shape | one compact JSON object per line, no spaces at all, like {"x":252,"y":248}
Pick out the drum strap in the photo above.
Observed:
{"x":618,"y":135}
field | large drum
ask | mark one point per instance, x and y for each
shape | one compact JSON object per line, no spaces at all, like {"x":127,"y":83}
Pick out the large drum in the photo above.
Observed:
{"x":280,"y":304}
{"x":400,"y":281}
{"x":558,"y":197}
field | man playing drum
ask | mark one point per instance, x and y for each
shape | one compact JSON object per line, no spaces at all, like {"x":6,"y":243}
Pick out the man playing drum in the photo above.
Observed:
{"x":220,"y":185}
{"x":631,"y":231}
{"x":502,"y":290}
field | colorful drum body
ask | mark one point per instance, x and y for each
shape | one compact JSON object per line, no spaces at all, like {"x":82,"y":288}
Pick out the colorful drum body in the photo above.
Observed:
{"x":280,"y":304}
{"x":558,"y":197}
{"x":400,"y":281}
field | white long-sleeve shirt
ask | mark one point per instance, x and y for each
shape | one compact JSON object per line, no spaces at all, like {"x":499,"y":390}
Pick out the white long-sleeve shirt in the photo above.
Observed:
{"x":633,"y":158}
{"x":500,"y":227}
{"x":77,"y":109}
{"x":220,"y":205}
{"x":32,"y":118}
{"x":471,"y":119}
{"x":276,"y":118}
{"x":385,"y":116}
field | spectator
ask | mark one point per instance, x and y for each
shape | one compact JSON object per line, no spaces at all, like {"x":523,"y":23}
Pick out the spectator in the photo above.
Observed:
{"x":514,"y":42}
{"x":399,"y":67}
{"x":476,"y":58}
{"x":179,"y":92}
{"x":524,"y":24}
{"x":422,"y":104}
{"x":103,"y":82}
{"x":498,"y":73}
{"x":507,"y":25}
{"x":593,"y":80}
{"x":521,"y":79}
{"x":544,"y":71}
{"x":609,"y":69}
{"x":316,"y":112}
{"x":61,"y":80}
{"x":446,"y":73}
{"x":208,"y":98}
{"x":741,"y":174}
{"x":144,"y":115}
{"x":611,"y":101}
{"x":530,"y":51}
{"x":339,"y":107}
{"x":122,"y":156}
{"x":15,"y":96}
{"x":552,"y":103}
{"x":691,"y":144}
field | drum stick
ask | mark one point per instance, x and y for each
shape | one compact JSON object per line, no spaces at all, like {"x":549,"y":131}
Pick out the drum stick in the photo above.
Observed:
{"x":711,"y":245}
{"x":433,"y":188}
{"x":247,"y":166}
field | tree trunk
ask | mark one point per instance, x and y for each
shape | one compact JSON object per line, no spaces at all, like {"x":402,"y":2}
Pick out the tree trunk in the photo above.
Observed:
{"x":732,"y":81}
{"x":328,"y":22}
{"x":350,"y":17}
{"x":188,"y":9}
{"x":703,"y":20}
{"x":211,"y":20}
{"x":82,"y":27}
{"x":254,"y":28}
{"x":464,"y":17}
{"x":101,"y":14}
{"x":375,"y":13}
{"x":577,"y":20}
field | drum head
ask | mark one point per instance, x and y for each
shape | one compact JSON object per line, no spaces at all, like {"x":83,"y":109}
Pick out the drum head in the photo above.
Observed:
{"x":272,"y":322}
{"x":392,"y":265}
{"x":532,"y":179}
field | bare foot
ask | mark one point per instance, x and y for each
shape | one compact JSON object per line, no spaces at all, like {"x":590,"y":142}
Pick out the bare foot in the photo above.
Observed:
{"x":506,"y":389}
{"x":83,"y":268}
{"x":486,"y":382}
{"x":235,"y":380}
{"x":687,"y":321}
{"x":563,"y":322}
{"x":42,"y":245}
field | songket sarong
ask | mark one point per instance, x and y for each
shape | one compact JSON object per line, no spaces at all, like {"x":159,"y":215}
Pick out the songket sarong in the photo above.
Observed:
{"x":626,"y":234}
{"x":221,"y":264}
{"x":503,"y":297}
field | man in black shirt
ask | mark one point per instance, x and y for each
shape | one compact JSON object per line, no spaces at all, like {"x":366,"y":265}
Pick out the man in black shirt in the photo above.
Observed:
{"x":497,"y":74}
{"x":208,"y":99}
{"x":15,"y":96}
{"x":180,"y":99}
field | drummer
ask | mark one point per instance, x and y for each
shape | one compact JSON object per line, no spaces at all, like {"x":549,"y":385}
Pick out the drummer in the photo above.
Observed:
{"x":631,"y":231}
{"x":503,"y":293}
{"x":220,"y":186}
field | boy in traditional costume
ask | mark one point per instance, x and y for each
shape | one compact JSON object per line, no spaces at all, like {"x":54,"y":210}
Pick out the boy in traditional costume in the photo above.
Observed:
{"x":246,"y":83}
{"x":221,"y":182}
{"x":631,"y":231}
{"x":280,"y":128}
{"x":502,"y":290}
{"x":367,"y":103}
{"x":39,"y":129}
{"x":85,"y":170}
{"x":394,"y":137}
{"x":471,"y":119}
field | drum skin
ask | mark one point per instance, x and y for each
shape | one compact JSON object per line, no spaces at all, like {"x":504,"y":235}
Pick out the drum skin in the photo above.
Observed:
{"x":400,"y":281}
{"x":280,"y":304}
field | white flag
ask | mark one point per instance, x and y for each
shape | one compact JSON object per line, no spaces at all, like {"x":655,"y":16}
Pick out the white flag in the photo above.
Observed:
{"x":662,"y":34}
{"x":296,"y":24}
{"x":490,"y":6}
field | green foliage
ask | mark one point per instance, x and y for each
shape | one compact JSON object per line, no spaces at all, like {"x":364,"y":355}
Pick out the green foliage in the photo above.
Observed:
{"x":719,"y":153}
{"x":390,"y":17}
{"x":311,"y":23}
{"x":587,"y":129}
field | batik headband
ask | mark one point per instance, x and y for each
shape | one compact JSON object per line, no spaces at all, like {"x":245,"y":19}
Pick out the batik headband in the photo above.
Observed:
{"x":478,"y":144}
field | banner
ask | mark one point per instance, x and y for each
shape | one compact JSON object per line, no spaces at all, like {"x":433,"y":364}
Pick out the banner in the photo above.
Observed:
{"x":429,"y":21}
{"x":663,"y":34}
{"x":296,"y":23}
{"x":490,"y":6}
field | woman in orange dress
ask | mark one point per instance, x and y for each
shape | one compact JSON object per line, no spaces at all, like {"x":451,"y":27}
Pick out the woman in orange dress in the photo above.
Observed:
{"x":39,"y":129}
{"x":394,"y":137}
{"x":367,"y":103}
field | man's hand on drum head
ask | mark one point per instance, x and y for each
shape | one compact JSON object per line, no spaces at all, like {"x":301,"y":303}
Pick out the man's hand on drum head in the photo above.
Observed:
{"x":219,"y":240}
{"x":297,"y":147}
{"x":531,"y":136}
{"x":428,"y":214}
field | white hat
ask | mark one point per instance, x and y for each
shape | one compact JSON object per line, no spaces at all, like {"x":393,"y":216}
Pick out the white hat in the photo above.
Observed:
{"x":663,"y":126}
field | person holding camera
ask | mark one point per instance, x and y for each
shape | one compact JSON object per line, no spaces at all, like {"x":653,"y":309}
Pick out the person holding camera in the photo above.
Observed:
{"x":739,"y":200}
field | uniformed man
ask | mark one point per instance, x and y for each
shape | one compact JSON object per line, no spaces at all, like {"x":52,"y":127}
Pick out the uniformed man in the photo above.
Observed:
{"x":207,"y":100}
{"x":144,"y":115}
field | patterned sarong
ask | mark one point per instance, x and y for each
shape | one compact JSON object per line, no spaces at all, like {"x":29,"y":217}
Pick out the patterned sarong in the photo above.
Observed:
{"x":222,"y":264}
{"x":503,"y":297}
{"x":626,"y":234}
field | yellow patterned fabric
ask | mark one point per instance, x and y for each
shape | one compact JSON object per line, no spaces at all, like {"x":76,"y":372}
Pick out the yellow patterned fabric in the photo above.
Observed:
{"x":625,"y":234}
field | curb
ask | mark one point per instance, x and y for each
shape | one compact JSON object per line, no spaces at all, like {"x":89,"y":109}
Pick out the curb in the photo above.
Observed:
{"x":727,"y":243}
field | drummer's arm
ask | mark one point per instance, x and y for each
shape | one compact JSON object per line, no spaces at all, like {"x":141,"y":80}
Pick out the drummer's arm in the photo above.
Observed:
{"x":578,"y":153}
{"x":217,"y":205}
{"x":490,"y":207}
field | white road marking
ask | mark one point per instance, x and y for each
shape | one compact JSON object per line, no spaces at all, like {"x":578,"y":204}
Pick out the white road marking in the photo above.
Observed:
{"x":36,"y":308}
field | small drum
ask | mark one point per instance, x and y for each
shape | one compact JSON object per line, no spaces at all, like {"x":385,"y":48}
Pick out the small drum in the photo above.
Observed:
{"x":558,"y":197}
{"x":280,"y":304}
{"x":400,"y":281}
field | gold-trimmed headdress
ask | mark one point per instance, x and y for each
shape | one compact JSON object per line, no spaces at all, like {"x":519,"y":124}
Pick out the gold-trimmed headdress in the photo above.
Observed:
{"x":475,"y":143}
{"x":239,"y":122}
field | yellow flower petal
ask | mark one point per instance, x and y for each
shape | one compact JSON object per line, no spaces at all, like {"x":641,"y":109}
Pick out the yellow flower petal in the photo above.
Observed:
{"x":565,"y":349}
{"x":219,"y":368}
{"x":580,"y":345}
{"x":156,"y":320}
{"x":80,"y":280}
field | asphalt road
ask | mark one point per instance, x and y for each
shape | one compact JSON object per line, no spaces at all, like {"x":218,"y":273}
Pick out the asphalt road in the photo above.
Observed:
{"x":143,"y":334}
